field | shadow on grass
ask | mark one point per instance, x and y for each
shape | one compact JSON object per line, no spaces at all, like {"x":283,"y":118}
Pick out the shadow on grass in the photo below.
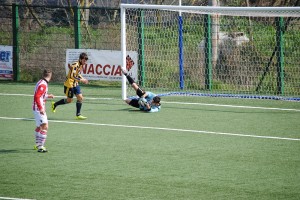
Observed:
{"x":7,"y":151}
{"x":105,"y":103}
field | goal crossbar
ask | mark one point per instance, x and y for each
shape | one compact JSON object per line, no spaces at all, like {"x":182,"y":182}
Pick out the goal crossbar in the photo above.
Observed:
{"x":219,"y":10}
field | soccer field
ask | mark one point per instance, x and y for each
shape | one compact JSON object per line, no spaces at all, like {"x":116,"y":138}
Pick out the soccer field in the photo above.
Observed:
{"x":194,"y":148}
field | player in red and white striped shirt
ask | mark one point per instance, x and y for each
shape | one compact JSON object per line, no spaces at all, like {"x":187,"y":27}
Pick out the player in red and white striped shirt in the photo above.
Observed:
{"x":39,"y":110}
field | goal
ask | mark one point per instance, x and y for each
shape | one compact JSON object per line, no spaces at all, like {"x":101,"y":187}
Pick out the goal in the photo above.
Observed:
{"x":244,"y":52}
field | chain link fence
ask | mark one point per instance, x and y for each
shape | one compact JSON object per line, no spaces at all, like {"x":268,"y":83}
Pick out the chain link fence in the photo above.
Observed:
{"x":45,"y":32}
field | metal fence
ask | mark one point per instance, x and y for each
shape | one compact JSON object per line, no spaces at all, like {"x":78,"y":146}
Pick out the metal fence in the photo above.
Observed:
{"x":40,"y":35}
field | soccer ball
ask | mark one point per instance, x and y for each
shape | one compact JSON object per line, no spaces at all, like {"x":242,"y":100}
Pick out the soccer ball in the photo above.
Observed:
{"x":142,"y":102}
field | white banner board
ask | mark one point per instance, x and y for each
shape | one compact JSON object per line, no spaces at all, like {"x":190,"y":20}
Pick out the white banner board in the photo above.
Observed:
{"x":6,"y":62}
{"x":103,"y":64}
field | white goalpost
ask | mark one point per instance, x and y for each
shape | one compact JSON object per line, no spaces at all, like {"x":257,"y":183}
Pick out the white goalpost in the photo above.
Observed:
{"x":257,"y":50}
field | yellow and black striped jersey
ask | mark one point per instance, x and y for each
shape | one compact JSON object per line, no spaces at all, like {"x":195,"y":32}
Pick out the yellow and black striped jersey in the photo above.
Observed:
{"x":73,"y":75}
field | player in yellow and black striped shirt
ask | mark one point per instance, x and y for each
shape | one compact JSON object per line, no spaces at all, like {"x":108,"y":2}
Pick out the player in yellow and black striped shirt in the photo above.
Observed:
{"x":71,"y":86}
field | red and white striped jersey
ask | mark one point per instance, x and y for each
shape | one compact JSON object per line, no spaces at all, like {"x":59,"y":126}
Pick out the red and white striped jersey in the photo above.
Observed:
{"x":40,"y":95}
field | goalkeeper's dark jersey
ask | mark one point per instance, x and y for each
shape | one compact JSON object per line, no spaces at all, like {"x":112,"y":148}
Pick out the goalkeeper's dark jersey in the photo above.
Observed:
{"x":73,"y":75}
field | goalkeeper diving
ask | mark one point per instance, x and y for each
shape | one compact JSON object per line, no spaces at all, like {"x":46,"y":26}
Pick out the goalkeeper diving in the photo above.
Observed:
{"x":146,"y":101}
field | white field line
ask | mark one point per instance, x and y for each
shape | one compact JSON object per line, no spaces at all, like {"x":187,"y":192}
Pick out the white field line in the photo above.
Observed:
{"x":180,"y":103}
{"x":235,"y":106}
{"x":10,"y":198}
{"x":163,"y":129}
{"x":30,"y":95}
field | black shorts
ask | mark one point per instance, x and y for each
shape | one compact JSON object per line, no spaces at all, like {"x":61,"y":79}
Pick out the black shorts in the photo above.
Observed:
{"x":134,"y":103}
{"x":71,"y":91}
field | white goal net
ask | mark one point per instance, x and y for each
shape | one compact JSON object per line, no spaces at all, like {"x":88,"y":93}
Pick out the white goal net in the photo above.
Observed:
{"x":247,"y":52}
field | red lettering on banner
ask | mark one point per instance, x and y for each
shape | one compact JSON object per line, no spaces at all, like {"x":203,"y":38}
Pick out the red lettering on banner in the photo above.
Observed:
{"x":113,"y":69}
{"x":129,"y":63}
{"x":107,"y":69}
{"x":118,"y":71}
{"x":91,"y":69}
{"x":98,"y":69}
{"x":104,"y":69}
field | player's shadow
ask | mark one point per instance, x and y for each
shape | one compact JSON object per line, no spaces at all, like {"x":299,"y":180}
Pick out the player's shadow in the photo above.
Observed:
{"x":134,"y":110}
{"x":5,"y":151}
{"x":8,"y":151}
{"x":111,"y":105}
{"x":104,"y":103}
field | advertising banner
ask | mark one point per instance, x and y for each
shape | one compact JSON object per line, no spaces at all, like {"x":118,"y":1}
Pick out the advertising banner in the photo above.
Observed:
{"x":103,"y":64}
{"x":6,"y":62}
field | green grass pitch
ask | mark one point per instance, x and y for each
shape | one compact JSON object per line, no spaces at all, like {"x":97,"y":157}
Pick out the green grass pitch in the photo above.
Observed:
{"x":195,"y":148}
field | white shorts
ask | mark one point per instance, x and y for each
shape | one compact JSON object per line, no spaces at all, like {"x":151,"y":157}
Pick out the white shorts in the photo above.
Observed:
{"x":40,"y":119}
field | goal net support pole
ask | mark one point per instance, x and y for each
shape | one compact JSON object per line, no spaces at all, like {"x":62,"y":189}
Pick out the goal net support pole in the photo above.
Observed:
{"x":123,"y":49}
